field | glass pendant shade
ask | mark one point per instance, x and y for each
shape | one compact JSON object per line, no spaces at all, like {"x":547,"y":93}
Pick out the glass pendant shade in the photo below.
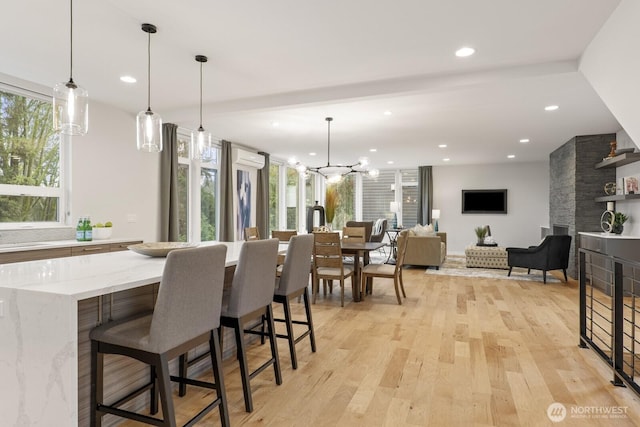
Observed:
{"x":70,"y":109}
{"x":201,"y":148}
{"x":149,"y":127}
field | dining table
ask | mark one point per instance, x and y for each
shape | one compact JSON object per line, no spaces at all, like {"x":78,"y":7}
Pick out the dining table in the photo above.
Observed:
{"x":358,"y":250}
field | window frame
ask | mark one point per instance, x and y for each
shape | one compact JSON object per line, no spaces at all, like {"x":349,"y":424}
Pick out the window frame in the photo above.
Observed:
{"x":62,"y":192}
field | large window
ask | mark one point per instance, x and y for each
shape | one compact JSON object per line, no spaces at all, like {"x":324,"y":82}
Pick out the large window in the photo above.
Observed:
{"x":197,"y":193}
{"x":377,"y":195}
{"x":274,"y":196}
{"x":409,"y":197}
{"x":30,"y":161}
{"x":292,"y":199}
{"x":346,"y":208}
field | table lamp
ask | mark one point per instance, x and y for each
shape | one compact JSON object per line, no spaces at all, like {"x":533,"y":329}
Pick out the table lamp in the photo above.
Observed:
{"x":435,"y":214}
{"x":395,"y":208}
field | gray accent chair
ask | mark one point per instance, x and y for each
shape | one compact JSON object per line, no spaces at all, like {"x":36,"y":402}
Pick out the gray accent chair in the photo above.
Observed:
{"x":378,"y":232}
{"x":186,"y":314}
{"x":250,"y":299}
{"x":551,"y":254}
{"x":293,"y":282}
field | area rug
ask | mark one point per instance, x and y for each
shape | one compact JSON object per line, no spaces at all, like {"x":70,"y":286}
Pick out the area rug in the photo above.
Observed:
{"x":454,"y":265}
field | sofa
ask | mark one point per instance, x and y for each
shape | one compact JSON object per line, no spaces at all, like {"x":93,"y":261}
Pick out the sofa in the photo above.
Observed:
{"x":428,"y":251}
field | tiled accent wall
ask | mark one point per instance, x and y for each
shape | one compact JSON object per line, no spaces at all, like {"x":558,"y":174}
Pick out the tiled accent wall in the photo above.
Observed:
{"x":574,"y":183}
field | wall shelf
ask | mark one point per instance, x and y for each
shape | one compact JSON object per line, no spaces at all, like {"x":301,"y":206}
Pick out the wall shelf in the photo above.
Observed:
{"x":619,"y":160}
{"x":617,"y":197}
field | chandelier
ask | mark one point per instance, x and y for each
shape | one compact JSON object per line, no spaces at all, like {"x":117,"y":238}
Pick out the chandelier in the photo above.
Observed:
{"x":334,"y":173}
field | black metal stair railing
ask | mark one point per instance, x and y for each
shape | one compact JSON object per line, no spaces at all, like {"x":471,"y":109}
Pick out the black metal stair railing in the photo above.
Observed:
{"x":610,"y":313}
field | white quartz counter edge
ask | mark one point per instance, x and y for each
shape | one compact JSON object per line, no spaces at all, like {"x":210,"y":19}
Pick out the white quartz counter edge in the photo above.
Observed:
{"x":88,"y":276}
{"x":608,"y":235}
{"x":32,"y":246}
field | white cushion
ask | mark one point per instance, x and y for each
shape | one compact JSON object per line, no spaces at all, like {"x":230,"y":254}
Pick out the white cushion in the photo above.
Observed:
{"x":424,"y":230}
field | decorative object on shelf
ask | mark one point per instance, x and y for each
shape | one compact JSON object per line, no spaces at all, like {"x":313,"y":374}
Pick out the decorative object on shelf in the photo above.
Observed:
{"x":330,"y":204}
{"x":607,"y":218}
{"x":481,"y":232}
{"x":618,"y":222}
{"x":334,"y":173}
{"x":630,"y":185}
{"x":148,"y":123}
{"x":435,"y":215}
{"x":201,"y":140}
{"x":394,"y":207}
{"x":610,"y":188}
{"x":612,"y":152}
{"x":70,"y":101}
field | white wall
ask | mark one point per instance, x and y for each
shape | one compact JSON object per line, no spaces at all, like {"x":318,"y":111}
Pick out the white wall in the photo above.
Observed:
{"x":612,"y":66}
{"x":527,"y":202}
{"x":111,"y":180}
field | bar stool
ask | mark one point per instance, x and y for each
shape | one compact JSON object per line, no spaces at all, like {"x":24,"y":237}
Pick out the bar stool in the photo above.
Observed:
{"x":186,"y":314}
{"x":249,"y":299}
{"x":293,"y":282}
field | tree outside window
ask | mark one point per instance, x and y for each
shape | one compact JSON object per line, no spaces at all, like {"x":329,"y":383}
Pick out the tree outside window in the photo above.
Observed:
{"x":30,"y":187}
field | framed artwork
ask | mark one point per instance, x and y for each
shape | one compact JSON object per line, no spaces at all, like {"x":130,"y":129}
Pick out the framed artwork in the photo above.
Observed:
{"x":631,"y":185}
{"x":243,"y":214}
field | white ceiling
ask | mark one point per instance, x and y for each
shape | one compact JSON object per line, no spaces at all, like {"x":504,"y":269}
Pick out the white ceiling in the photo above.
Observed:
{"x":295,"y":62}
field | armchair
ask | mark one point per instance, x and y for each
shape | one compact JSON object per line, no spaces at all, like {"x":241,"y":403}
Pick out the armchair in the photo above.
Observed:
{"x":425,"y":250}
{"x":551,"y":254}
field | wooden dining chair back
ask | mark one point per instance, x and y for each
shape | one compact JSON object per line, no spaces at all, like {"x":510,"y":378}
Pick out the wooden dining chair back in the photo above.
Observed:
{"x":251,"y":233}
{"x":327,"y":263}
{"x":368,"y":227}
{"x":387,"y":271}
{"x":354,"y":235}
{"x":283,"y":235}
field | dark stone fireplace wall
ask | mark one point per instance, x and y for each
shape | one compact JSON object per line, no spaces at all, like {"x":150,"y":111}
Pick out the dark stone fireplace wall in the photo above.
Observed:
{"x":574,"y":183}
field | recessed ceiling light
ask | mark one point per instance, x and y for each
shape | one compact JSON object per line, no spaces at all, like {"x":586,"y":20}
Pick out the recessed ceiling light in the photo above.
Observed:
{"x":373,"y":150}
{"x":390,"y":162}
{"x":511,"y":156}
{"x":387,"y":113}
{"x":446,"y":159}
{"x":275,"y":124}
{"x":312,"y":154}
{"x":524,"y":140}
{"x":551,"y":108}
{"x":442,"y":146}
{"x":463,"y":52}
{"x":128,"y":79}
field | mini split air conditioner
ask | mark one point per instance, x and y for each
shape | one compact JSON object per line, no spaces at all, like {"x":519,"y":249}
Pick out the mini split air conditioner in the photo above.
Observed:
{"x":247,"y":158}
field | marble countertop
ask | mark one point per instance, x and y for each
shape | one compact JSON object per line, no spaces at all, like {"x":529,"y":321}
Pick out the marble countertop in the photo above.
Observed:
{"x":30,"y":246}
{"x":609,"y":235}
{"x":87,"y":276}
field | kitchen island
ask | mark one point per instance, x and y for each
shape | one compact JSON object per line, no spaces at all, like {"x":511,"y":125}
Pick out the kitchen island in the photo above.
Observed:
{"x":47,"y":308}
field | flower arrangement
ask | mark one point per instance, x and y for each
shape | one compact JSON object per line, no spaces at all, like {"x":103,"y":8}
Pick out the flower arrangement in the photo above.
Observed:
{"x":330,"y":203}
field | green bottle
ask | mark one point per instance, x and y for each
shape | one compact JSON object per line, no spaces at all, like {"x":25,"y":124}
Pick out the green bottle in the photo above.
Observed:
{"x":80,"y":230}
{"x":88,"y":230}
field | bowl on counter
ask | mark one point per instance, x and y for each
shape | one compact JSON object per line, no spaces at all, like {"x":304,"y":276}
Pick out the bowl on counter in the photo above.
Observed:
{"x":101,"y":233}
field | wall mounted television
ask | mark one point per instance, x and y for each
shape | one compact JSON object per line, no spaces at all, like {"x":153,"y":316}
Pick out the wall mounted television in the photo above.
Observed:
{"x":484,"y":201}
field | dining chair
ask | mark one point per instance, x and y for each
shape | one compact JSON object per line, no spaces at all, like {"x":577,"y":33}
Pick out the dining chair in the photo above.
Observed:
{"x":327,"y":263}
{"x":186,"y":314}
{"x":368,"y":229}
{"x":251,"y":233}
{"x":249,"y":299}
{"x":283,"y":235}
{"x":388,"y":271}
{"x":353,"y":235}
{"x":292,"y":283}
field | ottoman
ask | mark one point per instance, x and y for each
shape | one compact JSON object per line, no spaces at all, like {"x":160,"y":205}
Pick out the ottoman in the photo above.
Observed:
{"x":486,"y":257}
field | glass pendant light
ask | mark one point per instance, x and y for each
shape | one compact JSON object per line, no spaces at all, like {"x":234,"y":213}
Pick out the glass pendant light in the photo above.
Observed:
{"x":201,"y":139}
{"x":148,"y":123}
{"x":70,"y":101}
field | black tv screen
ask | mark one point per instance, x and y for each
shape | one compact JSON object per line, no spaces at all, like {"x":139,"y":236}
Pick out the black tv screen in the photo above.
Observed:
{"x":484,"y":201}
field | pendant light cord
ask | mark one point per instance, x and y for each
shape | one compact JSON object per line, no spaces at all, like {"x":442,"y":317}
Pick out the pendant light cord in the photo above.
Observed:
{"x":71,"y":42}
{"x":149,"y":72}
{"x":328,"y":141}
{"x":200,"y":95}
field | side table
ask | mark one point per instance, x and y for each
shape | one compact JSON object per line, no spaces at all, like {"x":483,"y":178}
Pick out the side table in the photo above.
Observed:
{"x":393,"y":243}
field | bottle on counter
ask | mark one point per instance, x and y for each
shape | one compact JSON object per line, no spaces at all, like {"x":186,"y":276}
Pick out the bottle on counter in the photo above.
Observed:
{"x":88,"y":229}
{"x":80,"y":230}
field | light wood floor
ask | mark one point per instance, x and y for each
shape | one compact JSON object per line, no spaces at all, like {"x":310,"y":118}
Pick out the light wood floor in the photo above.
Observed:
{"x":458,"y":352}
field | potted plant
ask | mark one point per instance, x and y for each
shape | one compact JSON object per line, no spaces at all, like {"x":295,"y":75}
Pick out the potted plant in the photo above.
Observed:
{"x":330,"y":203}
{"x":618,"y":222}
{"x":481,"y":232}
